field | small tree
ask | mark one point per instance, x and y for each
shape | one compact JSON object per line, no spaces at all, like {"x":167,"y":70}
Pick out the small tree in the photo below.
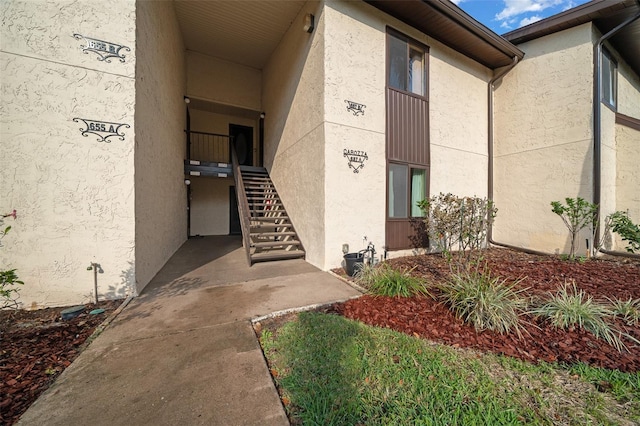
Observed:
{"x":576,"y":215}
{"x":8,"y":278}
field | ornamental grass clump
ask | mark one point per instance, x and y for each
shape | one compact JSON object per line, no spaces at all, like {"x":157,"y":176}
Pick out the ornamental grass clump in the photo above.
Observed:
{"x":570,"y":307}
{"x":384,"y":280}
{"x":489,"y":303}
{"x":627,"y":310}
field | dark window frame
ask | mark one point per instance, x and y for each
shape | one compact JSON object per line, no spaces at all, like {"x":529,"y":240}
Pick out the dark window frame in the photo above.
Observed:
{"x":410,"y":43}
{"x":612,"y":78}
{"x":427,"y":185}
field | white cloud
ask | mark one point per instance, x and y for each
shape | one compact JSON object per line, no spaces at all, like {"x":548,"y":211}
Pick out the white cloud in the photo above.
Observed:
{"x":517,"y":7}
{"x":530,"y":20}
{"x":569,"y":5}
{"x":456,"y":2}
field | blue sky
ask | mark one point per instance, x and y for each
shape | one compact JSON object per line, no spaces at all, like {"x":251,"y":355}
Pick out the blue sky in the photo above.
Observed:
{"x":503,"y":16}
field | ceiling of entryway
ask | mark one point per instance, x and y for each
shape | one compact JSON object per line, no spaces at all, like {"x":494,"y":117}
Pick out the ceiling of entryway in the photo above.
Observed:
{"x":242,"y":31}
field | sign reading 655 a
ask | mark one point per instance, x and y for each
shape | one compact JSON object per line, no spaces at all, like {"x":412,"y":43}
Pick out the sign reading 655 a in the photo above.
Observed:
{"x":103,"y":129}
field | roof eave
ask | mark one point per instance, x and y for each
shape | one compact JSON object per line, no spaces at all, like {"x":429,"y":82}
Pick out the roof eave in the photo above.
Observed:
{"x":463,"y":33}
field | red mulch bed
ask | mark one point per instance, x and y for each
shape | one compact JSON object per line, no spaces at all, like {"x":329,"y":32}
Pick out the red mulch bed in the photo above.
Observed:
{"x":35,"y":347}
{"x":426,"y":318}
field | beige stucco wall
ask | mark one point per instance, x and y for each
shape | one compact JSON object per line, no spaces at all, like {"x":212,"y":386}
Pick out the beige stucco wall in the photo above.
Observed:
{"x":628,"y":174}
{"x":626,"y":179}
{"x":628,"y":90}
{"x":160,"y":192}
{"x":210,"y":205}
{"x":292,"y":96}
{"x":355,"y":202}
{"x":74,"y":195}
{"x":224,"y":82}
{"x":459,"y":127}
{"x":543,"y":138}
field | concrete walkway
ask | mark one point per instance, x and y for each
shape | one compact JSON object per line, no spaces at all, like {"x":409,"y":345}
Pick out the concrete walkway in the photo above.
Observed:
{"x":184,"y":351}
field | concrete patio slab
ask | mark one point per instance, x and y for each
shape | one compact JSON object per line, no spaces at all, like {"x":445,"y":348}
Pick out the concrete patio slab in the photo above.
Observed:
{"x":184,"y":351}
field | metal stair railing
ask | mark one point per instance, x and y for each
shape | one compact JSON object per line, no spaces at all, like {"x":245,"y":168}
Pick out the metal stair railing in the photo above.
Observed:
{"x":243,"y":204}
{"x":208,"y":147}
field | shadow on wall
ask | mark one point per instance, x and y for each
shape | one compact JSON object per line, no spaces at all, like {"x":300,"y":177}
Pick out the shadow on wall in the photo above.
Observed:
{"x":126,"y":286}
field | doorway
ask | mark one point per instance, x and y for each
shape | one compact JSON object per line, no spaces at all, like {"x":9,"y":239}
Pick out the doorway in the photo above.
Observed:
{"x":243,"y":142}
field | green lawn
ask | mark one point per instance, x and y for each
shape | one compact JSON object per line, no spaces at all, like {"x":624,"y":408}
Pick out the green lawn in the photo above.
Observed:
{"x":334,"y":371}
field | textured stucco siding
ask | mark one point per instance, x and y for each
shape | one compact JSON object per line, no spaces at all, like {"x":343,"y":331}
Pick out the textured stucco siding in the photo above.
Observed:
{"x":628,"y":173}
{"x":354,"y":70}
{"x":161,"y":211}
{"x":628,"y":90}
{"x":627,"y":150}
{"x":543,"y":139}
{"x":292,"y":96}
{"x":74,"y":195}
{"x":210,"y":207}
{"x":458,"y":123}
{"x":223,"y":82}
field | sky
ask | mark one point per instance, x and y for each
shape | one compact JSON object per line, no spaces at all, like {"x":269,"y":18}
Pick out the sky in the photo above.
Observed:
{"x":503,"y":16}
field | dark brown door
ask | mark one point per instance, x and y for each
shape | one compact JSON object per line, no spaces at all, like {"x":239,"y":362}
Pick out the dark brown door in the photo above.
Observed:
{"x":243,"y":142}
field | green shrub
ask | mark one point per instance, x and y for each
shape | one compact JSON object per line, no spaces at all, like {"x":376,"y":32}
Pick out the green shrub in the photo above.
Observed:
{"x":8,"y":278}
{"x":570,"y":307}
{"x":458,"y":223}
{"x":384,"y":280}
{"x":628,"y":231}
{"x":486,"y":302}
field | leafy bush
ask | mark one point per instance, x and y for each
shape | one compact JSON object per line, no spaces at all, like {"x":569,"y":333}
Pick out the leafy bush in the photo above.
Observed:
{"x":570,"y":307}
{"x":384,"y":280}
{"x":628,"y":231}
{"x":8,"y":278}
{"x":576,"y":215}
{"x":460,"y":223}
{"x":486,"y":302}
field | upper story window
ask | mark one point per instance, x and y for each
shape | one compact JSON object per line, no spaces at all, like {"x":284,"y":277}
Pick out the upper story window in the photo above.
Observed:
{"x":609,"y":79}
{"x":407,"y":65}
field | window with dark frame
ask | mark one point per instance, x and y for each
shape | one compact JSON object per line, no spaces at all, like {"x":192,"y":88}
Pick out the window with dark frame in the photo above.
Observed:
{"x":407,"y":65}
{"x":609,"y":79}
{"x":407,"y":187}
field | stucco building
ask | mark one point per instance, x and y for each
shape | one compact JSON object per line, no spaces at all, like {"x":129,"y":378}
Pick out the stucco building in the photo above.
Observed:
{"x":356,"y":109}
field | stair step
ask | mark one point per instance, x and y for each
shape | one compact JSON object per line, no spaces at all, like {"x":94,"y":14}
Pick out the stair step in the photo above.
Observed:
{"x":264,"y":178}
{"x":273,"y":203}
{"x":253,"y":169}
{"x":272,"y":234}
{"x":260,"y":227}
{"x":276,"y":243}
{"x":261,"y":186}
{"x":277,"y":255}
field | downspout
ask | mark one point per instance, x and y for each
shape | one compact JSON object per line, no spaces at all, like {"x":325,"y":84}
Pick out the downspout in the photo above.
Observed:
{"x":597,"y":131}
{"x":490,"y":239}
